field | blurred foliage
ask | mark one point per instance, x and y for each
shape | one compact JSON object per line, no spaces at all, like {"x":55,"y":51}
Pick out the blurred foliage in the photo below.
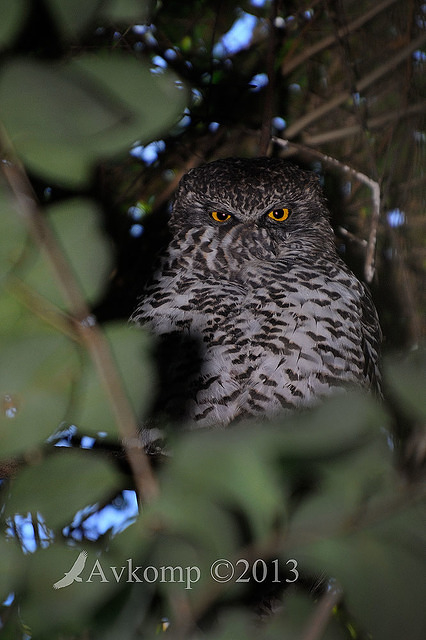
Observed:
{"x":324,"y":507}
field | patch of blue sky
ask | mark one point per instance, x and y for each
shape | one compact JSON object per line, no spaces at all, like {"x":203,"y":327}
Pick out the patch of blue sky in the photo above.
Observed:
{"x":185,"y":120}
{"x":23,"y":526}
{"x":146,"y":31}
{"x":136,"y":230}
{"x":279,"y":123}
{"x":395,"y":218}
{"x":138,"y":210}
{"x":63,"y":436}
{"x":197,"y":97}
{"x":159,"y":62}
{"x":135,"y":213}
{"x":114,"y":517}
{"x":170,"y":54}
{"x":140,"y":29}
{"x":347,"y":188}
{"x":148,"y":153}
{"x":8,"y":601}
{"x":89,"y":523}
{"x":87,"y":442}
{"x":258,"y":81}
{"x":419,"y":55}
{"x":238,"y":37}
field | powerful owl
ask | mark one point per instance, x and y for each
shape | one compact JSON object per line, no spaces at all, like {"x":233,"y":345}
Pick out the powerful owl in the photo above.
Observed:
{"x":254,"y":311}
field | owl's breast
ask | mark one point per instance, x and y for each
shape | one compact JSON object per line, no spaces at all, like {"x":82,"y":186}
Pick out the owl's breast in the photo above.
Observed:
{"x":283,"y":342}
{"x":273,"y":335}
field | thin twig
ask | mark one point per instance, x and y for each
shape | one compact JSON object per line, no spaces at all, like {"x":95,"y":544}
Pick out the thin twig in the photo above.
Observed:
{"x":85,"y":326}
{"x":268,"y":108}
{"x":316,"y":625}
{"x":347,"y":234}
{"x":361,"y":177}
{"x":300,"y":124}
{"x":289,"y":65}
{"x":372,"y":123}
{"x":36,"y":530}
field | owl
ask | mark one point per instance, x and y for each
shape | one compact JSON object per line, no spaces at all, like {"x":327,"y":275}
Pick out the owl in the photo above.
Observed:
{"x":254,"y":311}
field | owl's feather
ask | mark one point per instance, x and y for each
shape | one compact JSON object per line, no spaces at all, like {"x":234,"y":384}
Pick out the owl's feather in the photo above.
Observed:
{"x":256,"y":316}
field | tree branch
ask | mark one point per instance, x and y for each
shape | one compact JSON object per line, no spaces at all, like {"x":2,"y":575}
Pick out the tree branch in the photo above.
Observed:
{"x":289,"y":65}
{"x":322,"y":614}
{"x":298,"y":126}
{"x":372,"y":123}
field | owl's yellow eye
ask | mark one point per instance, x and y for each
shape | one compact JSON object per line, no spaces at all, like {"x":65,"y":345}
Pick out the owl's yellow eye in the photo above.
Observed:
{"x":219,"y":216}
{"x":279,"y":215}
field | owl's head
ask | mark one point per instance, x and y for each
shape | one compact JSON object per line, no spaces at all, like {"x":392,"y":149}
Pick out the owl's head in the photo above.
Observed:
{"x":269,"y":194}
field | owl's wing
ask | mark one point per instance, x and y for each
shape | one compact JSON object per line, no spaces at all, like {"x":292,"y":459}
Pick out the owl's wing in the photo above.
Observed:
{"x":372,"y":338}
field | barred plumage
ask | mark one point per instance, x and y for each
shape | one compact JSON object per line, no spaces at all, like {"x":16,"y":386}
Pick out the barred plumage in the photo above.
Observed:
{"x":257,"y":313}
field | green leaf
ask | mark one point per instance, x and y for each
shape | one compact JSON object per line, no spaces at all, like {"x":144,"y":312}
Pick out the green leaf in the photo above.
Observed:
{"x":193,"y":525}
{"x":65,"y":107}
{"x":245,"y":480}
{"x":10,"y":559}
{"x":79,"y":112}
{"x":346,"y":486}
{"x":72,"y":16}
{"x":49,"y":611}
{"x":408,"y":381}
{"x":291,"y":619}
{"x":130,"y":349}
{"x":92,"y":411}
{"x":67,"y":115}
{"x":152,"y":102}
{"x":212,"y":475}
{"x":77,"y":226}
{"x":126,"y":10}
{"x":12,"y":15}
{"x":236,"y":623}
{"x":35,"y":384}
{"x":15,"y":320}
{"x":341,"y":423}
{"x":37,"y":274}
{"x":58,"y":486}
{"x":382,"y":570}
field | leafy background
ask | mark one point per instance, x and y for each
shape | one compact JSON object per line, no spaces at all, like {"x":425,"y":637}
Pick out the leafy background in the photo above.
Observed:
{"x":103,"y":106}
